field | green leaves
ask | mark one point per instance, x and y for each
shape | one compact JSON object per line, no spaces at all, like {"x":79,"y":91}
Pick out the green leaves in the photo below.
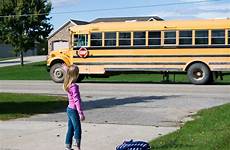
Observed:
{"x":23,"y":22}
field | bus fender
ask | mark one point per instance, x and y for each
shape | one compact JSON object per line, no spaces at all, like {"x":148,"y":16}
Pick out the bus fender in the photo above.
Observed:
{"x":58,"y":60}
{"x":193,"y":62}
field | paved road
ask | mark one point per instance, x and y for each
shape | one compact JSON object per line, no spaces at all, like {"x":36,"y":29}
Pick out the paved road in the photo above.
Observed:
{"x":114,"y":112}
{"x":17,"y":61}
{"x":133,"y":104}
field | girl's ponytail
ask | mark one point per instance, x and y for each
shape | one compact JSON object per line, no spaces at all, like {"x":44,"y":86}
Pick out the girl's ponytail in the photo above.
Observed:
{"x":66,"y":83}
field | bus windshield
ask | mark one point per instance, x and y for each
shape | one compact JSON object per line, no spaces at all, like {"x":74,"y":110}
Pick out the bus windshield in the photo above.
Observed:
{"x":80,"y":40}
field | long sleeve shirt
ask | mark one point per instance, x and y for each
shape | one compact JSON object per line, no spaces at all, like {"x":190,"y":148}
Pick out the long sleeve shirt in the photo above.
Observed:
{"x":75,"y":98}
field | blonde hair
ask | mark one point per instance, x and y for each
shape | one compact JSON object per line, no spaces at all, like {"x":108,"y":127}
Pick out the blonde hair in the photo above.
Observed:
{"x":71,"y":76}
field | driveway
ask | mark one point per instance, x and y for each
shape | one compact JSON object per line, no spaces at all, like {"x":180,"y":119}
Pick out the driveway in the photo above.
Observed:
{"x":114,"y":112}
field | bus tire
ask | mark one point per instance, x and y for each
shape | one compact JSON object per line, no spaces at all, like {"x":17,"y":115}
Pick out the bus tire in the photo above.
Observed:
{"x":57,"y":73}
{"x":199,"y":73}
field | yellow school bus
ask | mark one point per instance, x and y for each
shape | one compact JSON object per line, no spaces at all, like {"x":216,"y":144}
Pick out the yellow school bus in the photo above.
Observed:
{"x":199,"y":47}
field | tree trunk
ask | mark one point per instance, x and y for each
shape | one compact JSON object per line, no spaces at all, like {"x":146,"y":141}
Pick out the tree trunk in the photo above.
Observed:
{"x":21,"y":56}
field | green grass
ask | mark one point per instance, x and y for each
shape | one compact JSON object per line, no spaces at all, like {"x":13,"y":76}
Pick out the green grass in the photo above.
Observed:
{"x":209,"y":131}
{"x":139,"y":78}
{"x":14,"y":106}
{"x":7,"y":58}
{"x":37,"y":71}
{"x":33,"y":71}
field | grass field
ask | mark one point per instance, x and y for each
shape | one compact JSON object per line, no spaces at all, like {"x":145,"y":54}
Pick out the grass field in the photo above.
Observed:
{"x":24,"y":105}
{"x":33,"y":71}
{"x":37,"y":71}
{"x":7,"y":58}
{"x":209,"y":131}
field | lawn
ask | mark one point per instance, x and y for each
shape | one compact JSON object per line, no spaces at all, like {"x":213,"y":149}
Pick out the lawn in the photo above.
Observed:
{"x":209,"y":131}
{"x":33,"y":71}
{"x":7,"y":58}
{"x":37,"y":71}
{"x":14,"y":106}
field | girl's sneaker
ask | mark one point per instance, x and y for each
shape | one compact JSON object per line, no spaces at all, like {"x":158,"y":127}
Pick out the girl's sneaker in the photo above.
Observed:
{"x":68,"y":149}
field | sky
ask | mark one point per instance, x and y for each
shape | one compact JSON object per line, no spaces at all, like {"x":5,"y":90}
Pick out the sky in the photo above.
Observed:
{"x":88,"y":10}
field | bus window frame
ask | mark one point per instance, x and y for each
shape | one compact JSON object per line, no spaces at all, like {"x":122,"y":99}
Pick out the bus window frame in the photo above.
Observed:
{"x":185,"y":37}
{"x":126,"y":39}
{"x":86,"y":40}
{"x":134,"y":38}
{"x":97,"y":39}
{"x":216,"y":37}
{"x":168,"y":31}
{"x":110,"y":39}
{"x":228,"y":37}
{"x":158,"y":38}
{"x":208,"y":37}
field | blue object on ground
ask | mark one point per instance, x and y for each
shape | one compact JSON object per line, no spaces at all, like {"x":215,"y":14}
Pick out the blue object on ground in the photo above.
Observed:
{"x":133,"y":145}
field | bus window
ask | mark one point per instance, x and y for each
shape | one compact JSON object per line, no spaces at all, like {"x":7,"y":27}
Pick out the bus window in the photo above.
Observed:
{"x":170,"y":37}
{"x":201,"y":37}
{"x":154,"y":38}
{"x":96,"y":39}
{"x":125,"y":39}
{"x":110,"y":38}
{"x":80,"y":40}
{"x":185,"y":37}
{"x":139,"y":39}
{"x":229,"y":37}
{"x":218,"y":36}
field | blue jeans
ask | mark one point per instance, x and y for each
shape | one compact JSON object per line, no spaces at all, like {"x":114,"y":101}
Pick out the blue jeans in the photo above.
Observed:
{"x":74,"y":127}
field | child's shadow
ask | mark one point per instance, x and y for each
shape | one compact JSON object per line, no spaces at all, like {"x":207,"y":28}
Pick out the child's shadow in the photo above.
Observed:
{"x":112,"y":102}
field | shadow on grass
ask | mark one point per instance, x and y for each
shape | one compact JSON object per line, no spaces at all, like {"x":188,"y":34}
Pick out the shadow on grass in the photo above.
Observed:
{"x":32,"y":108}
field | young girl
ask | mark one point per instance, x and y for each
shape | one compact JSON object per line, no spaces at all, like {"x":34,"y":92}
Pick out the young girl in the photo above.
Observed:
{"x":74,"y":110}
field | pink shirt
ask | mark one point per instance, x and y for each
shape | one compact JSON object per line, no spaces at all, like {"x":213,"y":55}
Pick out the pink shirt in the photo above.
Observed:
{"x":75,"y":98}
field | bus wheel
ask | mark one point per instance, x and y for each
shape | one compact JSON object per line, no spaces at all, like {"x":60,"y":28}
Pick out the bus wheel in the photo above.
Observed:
{"x":57,"y":73}
{"x":199,"y":73}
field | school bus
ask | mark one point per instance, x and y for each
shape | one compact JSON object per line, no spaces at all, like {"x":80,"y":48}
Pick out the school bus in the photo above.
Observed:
{"x":201,"y":48}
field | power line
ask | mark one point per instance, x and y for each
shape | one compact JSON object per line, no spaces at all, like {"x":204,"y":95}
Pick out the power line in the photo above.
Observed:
{"x":111,"y":9}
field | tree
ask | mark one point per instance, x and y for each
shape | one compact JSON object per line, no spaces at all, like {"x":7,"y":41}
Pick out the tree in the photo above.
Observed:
{"x":42,"y":47}
{"x":24,"y":22}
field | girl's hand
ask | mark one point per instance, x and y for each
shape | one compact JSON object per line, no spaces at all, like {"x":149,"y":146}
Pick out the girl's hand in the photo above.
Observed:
{"x":82,"y":117}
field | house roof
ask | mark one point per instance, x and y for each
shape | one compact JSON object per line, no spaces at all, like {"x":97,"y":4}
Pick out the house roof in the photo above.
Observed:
{"x":114,"y":19}
{"x":123,"y":19}
{"x":74,"y":22}
{"x":78,"y":22}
